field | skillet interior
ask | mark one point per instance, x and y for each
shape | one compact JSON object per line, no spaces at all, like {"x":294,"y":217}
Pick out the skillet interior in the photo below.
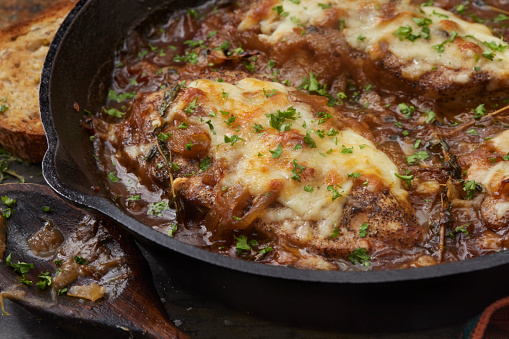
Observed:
{"x":81,"y":52}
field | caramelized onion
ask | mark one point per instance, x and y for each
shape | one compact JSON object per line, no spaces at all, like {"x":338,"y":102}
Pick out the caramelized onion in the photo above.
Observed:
{"x":231,"y":204}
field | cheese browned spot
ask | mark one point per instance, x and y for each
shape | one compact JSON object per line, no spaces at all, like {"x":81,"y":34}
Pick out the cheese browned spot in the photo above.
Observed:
{"x":431,"y":48}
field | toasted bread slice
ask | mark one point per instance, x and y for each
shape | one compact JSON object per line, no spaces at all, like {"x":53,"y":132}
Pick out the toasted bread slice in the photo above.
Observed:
{"x":23,"y":47}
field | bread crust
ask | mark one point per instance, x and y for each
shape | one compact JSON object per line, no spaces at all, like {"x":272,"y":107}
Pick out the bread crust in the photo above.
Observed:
{"x":24,"y":46}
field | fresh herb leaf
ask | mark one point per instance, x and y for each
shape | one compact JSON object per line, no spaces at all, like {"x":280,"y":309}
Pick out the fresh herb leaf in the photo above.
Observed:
{"x":297,"y":170}
{"x":157,"y":208}
{"x":242,"y":244}
{"x":406,"y":178}
{"x":359,"y":256}
{"x":480,"y":111}
{"x":205,"y":164}
{"x":277,"y":152}
{"x":9,"y":202}
{"x":421,"y":156}
{"x":80,"y":260}
{"x":20,"y":267}
{"x":45,"y":280}
{"x":172,"y":230}
{"x":363,"y":230}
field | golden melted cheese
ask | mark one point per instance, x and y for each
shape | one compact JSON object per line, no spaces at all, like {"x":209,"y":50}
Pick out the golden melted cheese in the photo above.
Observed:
{"x":250,"y":163}
{"x":368,"y":28}
{"x":492,"y":177}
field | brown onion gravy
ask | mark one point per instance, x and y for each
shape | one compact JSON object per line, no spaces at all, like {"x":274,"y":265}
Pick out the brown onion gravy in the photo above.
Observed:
{"x":148,"y":61}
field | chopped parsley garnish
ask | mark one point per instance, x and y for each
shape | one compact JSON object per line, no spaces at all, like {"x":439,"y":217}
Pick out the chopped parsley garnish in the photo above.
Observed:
{"x":258,"y":128}
{"x":250,"y":66}
{"x":363,"y":230}
{"x":46,"y":209}
{"x":232,"y":140}
{"x":210,"y":126}
{"x":335,"y":232}
{"x":440,"y":47}
{"x":461,"y":8}
{"x":45,"y":280}
{"x":9,"y":202}
{"x":325,"y":6}
{"x":359,"y":256}
{"x":332,"y":132}
{"x":472,"y":132}
{"x":278,"y":118}
{"x":470,"y":187}
{"x":183,"y":125}
{"x":488,"y":55}
{"x":134,"y":198}
{"x":480,"y":111}
{"x":495,"y":47}
{"x":431,"y":116}
{"x":25,"y":281}
{"x":80,"y":260}
{"x":277,"y":152}
{"x":114,"y":112}
{"x":192,"y":106}
{"x":20,"y":267}
{"x":266,"y":250}
{"x":189,"y":146}
{"x":421,"y":156}
{"x":308,"y":188}
{"x":355,"y":175}
{"x":297,"y":170}
{"x":164,"y":136}
{"x":462,"y":229}
{"x":113,"y":96}
{"x":242,"y":244}
{"x":406,"y":110}
{"x":269,"y":93}
{"x":323,"y":117}
{"x":3,"y":108}
{"x":157,"y":208}
{"x":405,"y":32}
{"x":172,"y":230}
{"x":113,"y":177}
{"x":406,"y":178}
{"x":501,"y":17}
{"x":189,"y":56}
{"x":308,"y":140}
{"x":205,"y":164}
{"x":280,"y":11}
{"x":346,"y":150}
{"x":334,"y":191}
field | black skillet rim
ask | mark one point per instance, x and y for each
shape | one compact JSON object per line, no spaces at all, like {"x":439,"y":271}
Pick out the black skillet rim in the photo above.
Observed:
{"x":109,"y":209}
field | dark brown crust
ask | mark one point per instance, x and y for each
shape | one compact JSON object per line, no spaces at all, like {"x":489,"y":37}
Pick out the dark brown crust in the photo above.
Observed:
{"x":26,"y":137}
{"x":60,"y":8}
{"x":28,"y":146}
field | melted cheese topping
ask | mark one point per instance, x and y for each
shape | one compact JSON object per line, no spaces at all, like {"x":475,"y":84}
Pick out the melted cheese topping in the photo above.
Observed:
{"x":368,"y":28}
{"x":321,"y":186}
{"x":492,"y":177}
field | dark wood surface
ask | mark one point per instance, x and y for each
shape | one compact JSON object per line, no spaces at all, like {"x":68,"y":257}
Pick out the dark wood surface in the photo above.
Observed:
{"x":127,"y":295}
{"x":193,"y":313}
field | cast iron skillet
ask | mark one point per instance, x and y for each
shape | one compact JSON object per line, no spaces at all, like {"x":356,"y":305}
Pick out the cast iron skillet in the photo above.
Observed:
{"x":79,"y":57}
